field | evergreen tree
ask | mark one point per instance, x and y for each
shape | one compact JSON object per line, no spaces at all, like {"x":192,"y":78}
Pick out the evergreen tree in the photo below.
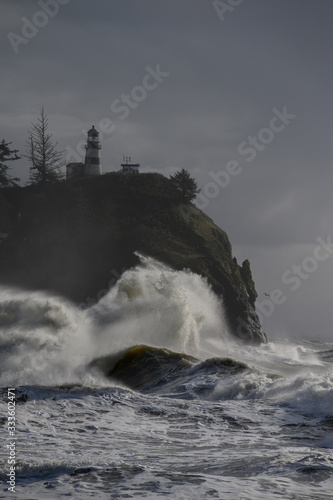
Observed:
{"x":186,"y":185}
{"x":45,"y":160}
{"x":6,"y":155}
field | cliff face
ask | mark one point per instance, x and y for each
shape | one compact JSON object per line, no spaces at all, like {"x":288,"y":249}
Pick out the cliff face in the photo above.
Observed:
{"x":76,"y":239}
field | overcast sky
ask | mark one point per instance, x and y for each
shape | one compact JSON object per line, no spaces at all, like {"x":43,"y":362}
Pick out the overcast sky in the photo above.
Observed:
{"x":237,"y":92}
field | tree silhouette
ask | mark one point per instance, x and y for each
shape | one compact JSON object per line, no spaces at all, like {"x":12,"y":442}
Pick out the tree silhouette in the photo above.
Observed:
{"x":45,"y":160}
{"x":6,"y":155}
{"x":186,"y":185}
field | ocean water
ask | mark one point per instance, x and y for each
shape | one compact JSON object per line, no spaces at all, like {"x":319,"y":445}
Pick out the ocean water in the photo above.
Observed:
{"x":147,"y":395}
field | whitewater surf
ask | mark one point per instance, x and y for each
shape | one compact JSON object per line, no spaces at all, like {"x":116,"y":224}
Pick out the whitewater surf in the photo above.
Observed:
{"x":147,"y":394}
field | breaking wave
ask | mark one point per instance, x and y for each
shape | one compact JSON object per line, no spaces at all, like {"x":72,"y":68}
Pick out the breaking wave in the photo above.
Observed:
{"x":157,"y":331}
{"x":48,"y":340}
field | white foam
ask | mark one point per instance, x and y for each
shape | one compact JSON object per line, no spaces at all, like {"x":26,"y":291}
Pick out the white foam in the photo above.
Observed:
{"x":43,"y":338}
{"x":48,"y":340}
{"x":156,"y":305}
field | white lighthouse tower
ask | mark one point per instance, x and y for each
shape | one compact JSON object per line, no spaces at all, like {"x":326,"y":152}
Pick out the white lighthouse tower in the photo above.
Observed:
{"x":92,"y":163}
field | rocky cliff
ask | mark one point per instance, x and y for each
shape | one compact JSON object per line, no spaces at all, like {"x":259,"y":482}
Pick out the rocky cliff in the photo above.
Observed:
{"x":76,"y":238}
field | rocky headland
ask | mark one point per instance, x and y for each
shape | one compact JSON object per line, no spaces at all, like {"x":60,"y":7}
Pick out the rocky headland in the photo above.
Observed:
{"x":77,"y":237}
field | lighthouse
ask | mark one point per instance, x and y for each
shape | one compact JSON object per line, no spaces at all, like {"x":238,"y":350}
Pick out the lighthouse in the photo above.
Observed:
{"x":92,"y":163}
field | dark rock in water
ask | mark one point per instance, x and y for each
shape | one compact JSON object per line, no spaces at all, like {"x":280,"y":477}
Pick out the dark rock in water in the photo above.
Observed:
{"x":77,"y":237}
{"x":246,"y":275}
{"x":144,"y":367}
{"x":150,"y":369}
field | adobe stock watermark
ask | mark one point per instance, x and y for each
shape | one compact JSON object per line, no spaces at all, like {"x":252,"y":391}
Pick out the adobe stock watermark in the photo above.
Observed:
{"x":122,"y":107}
{"x":293,"y":278}
{"x":248,"y":149}
{"x":225,"y":7}
{"x":30,"y":28}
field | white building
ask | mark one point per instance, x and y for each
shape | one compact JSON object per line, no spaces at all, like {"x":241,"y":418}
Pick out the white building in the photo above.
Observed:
{"x":128,"y":167}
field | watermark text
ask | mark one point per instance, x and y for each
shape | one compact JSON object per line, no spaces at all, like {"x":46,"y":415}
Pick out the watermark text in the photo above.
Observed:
{"x":11,"y":446}
{"x":30,"y":28}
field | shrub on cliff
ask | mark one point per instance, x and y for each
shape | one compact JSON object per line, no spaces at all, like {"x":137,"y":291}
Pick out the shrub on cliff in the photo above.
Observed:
{"x":186,"y":185}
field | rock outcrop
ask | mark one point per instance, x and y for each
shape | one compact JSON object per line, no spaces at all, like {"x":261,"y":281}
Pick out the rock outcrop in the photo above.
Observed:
{"x":76,"y":238}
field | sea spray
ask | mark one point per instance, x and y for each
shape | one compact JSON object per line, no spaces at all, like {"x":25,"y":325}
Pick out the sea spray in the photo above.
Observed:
{"x":48,"y":340}
{"x":248,"y":422}
{"x":42,"y":338}
{"x":297,"y":375}
{"x":155,"y":305}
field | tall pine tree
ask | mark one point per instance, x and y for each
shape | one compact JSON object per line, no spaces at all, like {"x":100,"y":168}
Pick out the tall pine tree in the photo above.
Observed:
{"x":45,"y":160}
